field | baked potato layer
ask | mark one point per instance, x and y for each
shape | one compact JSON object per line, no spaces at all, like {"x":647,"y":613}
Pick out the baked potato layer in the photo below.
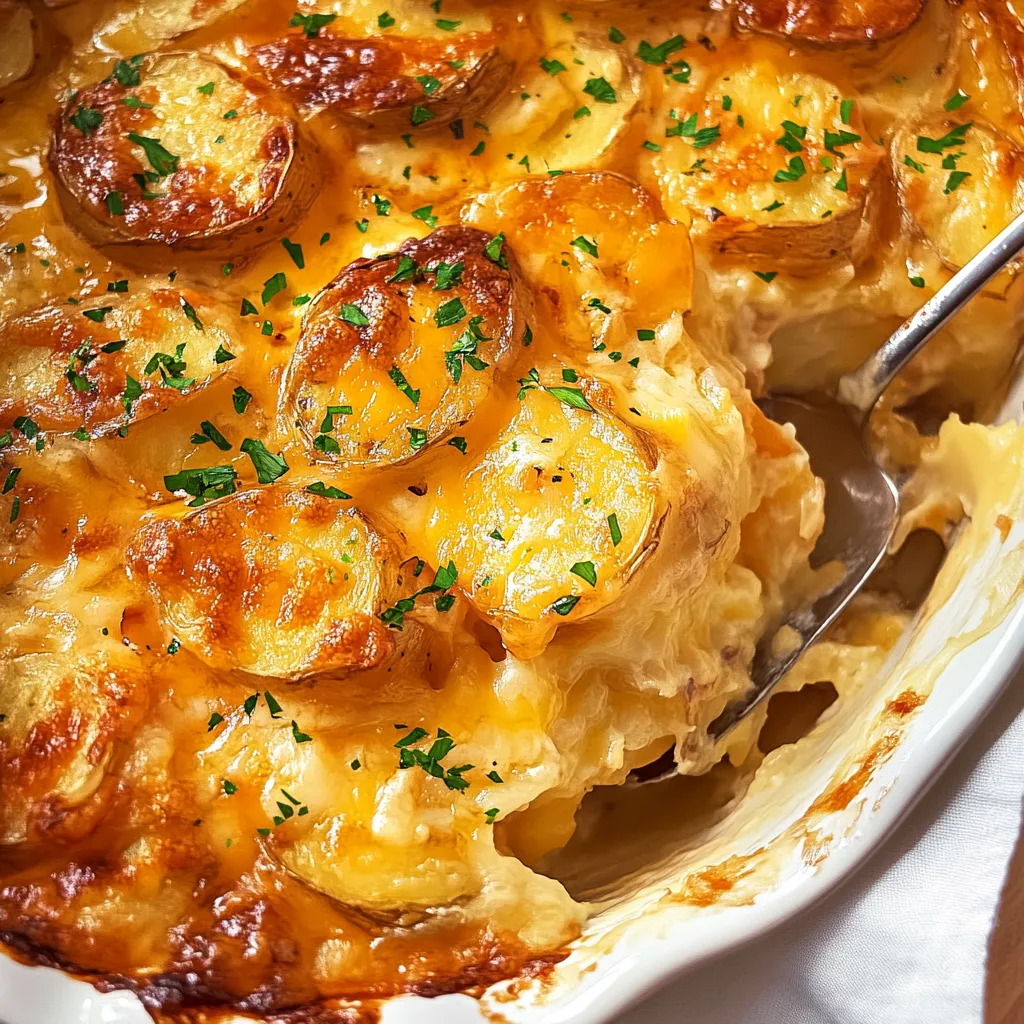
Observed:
{"x":98,"y":367}
{"x":275,"y":582}
{"x":776,"y":171}
{"x":396,"y":352}
{"x":178,"y":149}
{"x":376,"y":485}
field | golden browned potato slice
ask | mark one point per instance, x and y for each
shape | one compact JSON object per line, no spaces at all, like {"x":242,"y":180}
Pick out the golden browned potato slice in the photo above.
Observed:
{"x":778,"y":180}
{"x":959,"y":183}
{"x":273,"y":581}
{"x":388,"y":81}
{"x":548,"y":524}
{"x":112,"y":360}
{"x":18,"y":54}
{"x":830,"y":22}
{"x":576,"y":117}
{"x":396,"y":352}
{"x":153,"y":21}
{"x":605,"y":239}
{"x":177,"y":149}
{"x":65,"y":719}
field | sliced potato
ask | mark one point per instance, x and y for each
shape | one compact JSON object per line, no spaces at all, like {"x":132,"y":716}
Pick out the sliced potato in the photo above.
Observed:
{"x":175,"y":149}
{"x":67,"y":367}
{"x":643,"y":267}
{"x":384,"y":368}
{"x":151,"y":22}
{"x":358,"y":868}
{"x":536,"y":504}
{"x":272,"y":581}
{"x":550,"y":124}
{"x":388,"y":82}
{"x":965,"y":195}
{"x":18,"y":53}
{"x":830,"y":22}
{"x":65,"y":717}
{"x":780,"y":186}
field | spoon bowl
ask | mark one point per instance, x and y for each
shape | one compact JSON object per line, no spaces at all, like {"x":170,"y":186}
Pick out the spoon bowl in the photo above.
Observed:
{"x":862,"y":502}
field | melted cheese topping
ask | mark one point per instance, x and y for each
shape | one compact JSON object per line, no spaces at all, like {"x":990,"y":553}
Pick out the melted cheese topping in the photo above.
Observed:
{"x":381,"y":473}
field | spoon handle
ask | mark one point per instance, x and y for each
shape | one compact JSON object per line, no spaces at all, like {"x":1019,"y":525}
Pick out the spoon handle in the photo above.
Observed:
{"x":861,"y":388}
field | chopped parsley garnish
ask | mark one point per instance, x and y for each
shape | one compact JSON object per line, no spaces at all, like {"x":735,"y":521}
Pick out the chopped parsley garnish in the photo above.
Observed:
{"x":841,"y":185}
{"x":491,"y":813}
{"x":444,"y":579}
{"x":584,"y":245}
{"x":846,"y":111}
{"x":458,"y":443}
{"x":126,"y":72}
{"x":955,"y":180}
{"x":295,"y":251}
{"x":311,"y":23}
{"x":87,"y":120}
{"x":420,"y":115}
{"x":840,"y":138}
{"x":298,"y":735}
{"x":573,"y":397}
{"x":565,"y":604}
{"x":230,"y":115}
{"x":407,"y":270}
{"x":703,"y":137}
{"x":215,"y":719}
{"x":430,"y":760}
{"x":398,"y":379}
{"x":954,"y":137}
{"x":493,"y":250}
{"x":162,"y":162}
{"x":203,"y":484}
{"x":956,"y":101}
{"x":96,"y":315}
{"x":326,"y":491}
{"x":660,"y":53}
{"x":277,"y":283}
{"x":425,"y":214}
{"x":11,"y":480}
{"x":229,"y":787}
{"x":766,"y":275}
{"x":447,"y":26}
{"x":429,"y":83}
{"x":222,"y":355}
{"x":268,"y":465}
{"x":465,"y":350}
{"x":586,"y":572}
{"x":917,"y":282}
{"x":450,"y":313}
{"x":240,"y":398}
{"x":552,"y":67}
{"x":417,"y":438}
{"x":448,"y":275}
{"x":189,"y":310}
{"x":909,"y":161}
{"x":352,"y":314}
{"x":796,"y":171}
{"x":615,"y":36}
{"x":206,"y":90}
{"x":613,"y":529}
{"x":210,"y":433}
{"x":600,"y":89}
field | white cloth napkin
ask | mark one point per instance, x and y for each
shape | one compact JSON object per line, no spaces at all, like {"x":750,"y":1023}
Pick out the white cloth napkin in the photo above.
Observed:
{"x":904,"y":942}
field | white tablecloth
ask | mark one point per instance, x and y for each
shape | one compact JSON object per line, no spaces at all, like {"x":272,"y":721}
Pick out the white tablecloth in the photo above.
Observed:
{"x":904,"y":942}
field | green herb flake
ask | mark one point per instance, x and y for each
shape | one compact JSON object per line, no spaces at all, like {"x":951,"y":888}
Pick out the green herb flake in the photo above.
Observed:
{"x":585,"y":571}
{"x":294,"y":250}
{"x":269,"y":467}
{"x":600,"y":89}
{"x":274,"y":284}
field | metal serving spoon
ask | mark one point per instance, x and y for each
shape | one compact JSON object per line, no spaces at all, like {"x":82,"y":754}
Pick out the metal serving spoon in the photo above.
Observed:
{"x":862,"y":502}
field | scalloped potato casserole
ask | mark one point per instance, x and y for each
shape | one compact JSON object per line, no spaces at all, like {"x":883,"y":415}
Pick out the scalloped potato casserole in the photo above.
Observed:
{"x":381,"y":469}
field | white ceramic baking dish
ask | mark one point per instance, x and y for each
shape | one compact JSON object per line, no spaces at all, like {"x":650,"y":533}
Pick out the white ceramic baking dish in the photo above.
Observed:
{"x":813,"y":814}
